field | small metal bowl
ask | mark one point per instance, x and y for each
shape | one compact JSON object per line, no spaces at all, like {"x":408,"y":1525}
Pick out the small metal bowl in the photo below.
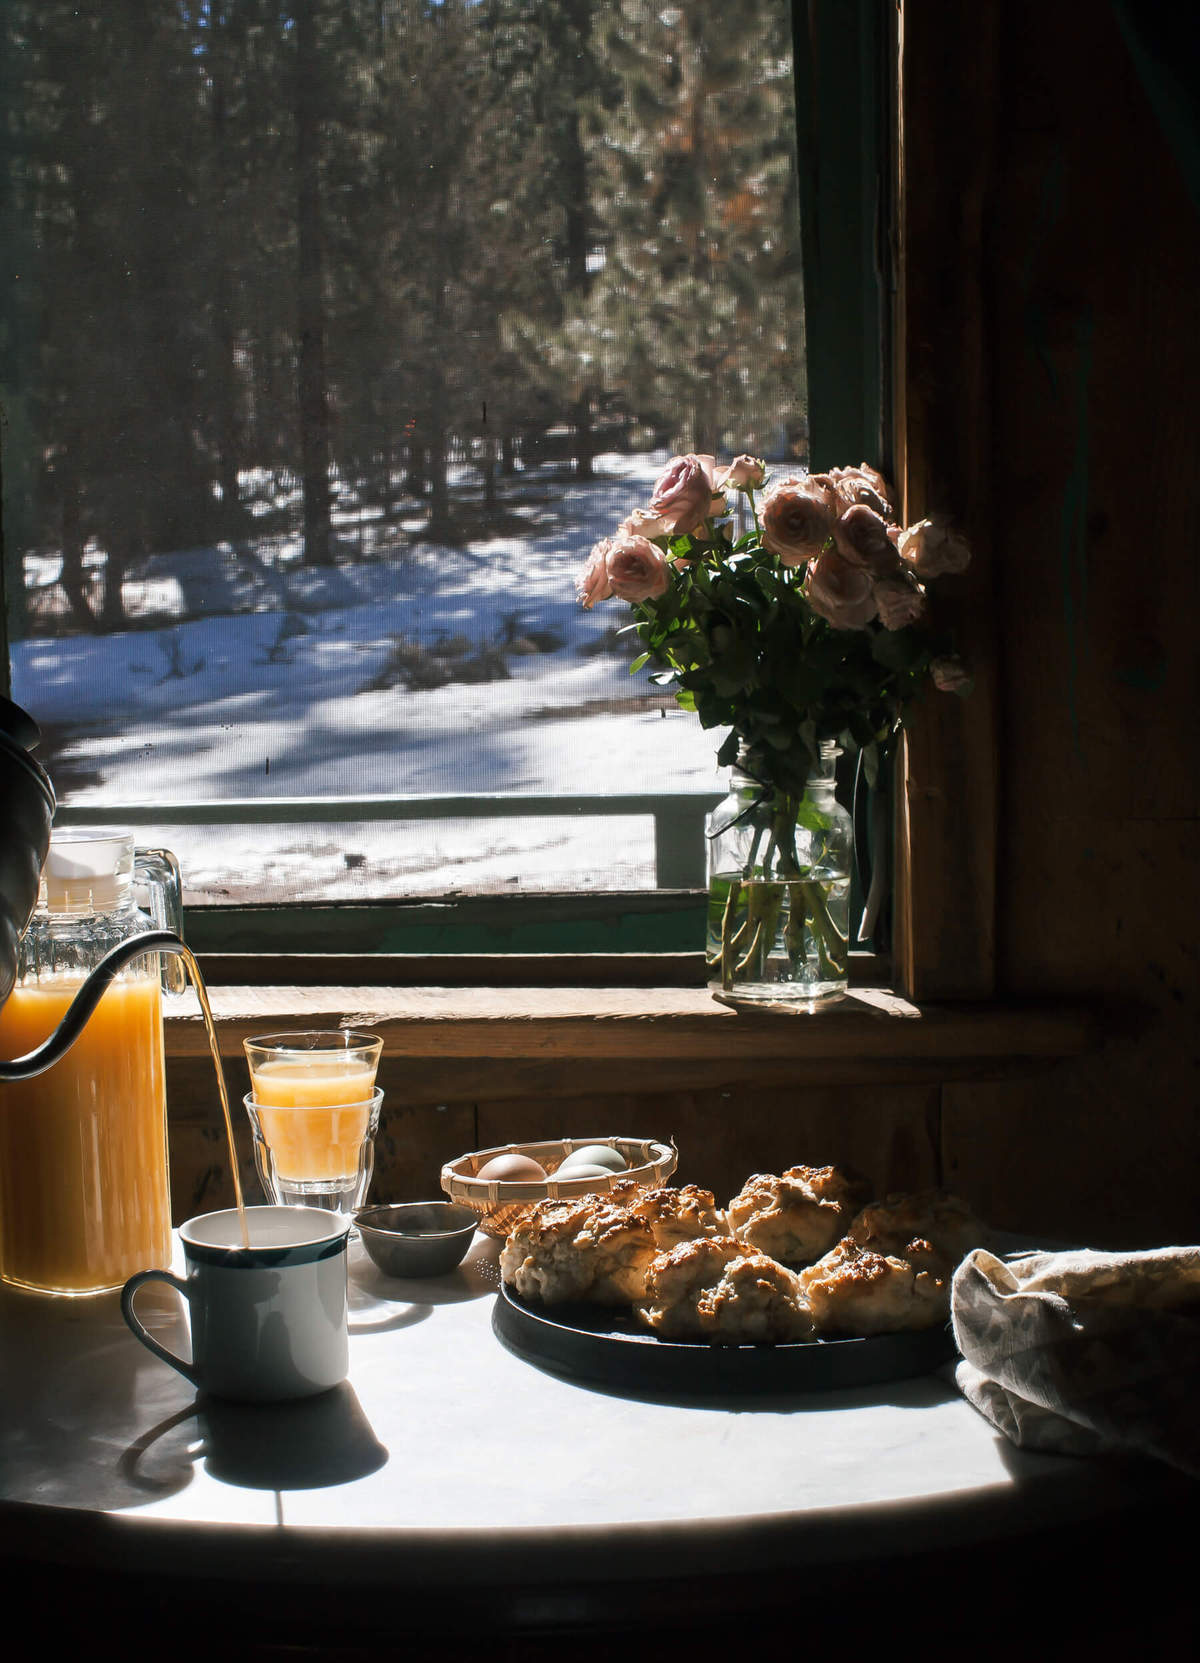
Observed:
{"x":417,"y":1238}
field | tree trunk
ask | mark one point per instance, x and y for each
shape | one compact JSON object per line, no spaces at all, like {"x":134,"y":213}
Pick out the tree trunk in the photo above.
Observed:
{"x":439,"y":487}
{"x":73,"y":580}
{"x":112,"y":610}
{"x":416,"y":477}
{"x":225,"y":394}
{"x":584,"y":447}
{"x":576,"y":209}
{"x":313,"y":396}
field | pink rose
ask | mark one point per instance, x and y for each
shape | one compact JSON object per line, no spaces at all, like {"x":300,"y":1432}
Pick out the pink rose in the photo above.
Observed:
{"x":862,"y":539}
{"x":645,"y":524}
{"x":636,"y":569}
{"x":930,"y":548}
{"x":855,"y":490}
{"x":592,"y":584}
{"x":864,"y":484}
{"x":798,"y":518}
{"x":744,"y":473}
{"x":899,"y":600}
{"x":839,"y":592}
{"x":683,"y":493}
{"x":950,"y":675}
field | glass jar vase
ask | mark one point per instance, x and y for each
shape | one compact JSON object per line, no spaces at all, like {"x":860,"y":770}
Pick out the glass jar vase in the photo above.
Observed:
{"x":779,"y":891}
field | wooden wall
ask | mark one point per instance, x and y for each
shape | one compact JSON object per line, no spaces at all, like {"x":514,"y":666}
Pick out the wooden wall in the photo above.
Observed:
{"x":1054,"y":392}
{"x":723,"y":1133}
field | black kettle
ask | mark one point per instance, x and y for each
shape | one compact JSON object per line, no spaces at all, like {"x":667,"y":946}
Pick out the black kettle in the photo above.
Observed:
{"x":29,"y":805}
{"x":26,"y":817}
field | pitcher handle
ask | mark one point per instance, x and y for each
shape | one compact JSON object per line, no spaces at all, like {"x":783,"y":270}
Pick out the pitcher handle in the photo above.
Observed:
{"x":159,"y":871}
{"x":188,"y":1370}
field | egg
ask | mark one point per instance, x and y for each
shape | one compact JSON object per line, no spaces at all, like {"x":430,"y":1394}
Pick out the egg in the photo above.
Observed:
{"x":583,"y":1171}
{"x":513,"y":1169}
{"x":593,"y":1154}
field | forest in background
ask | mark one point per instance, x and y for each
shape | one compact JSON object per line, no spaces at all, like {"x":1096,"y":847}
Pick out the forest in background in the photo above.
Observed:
{"x":268,"y":259}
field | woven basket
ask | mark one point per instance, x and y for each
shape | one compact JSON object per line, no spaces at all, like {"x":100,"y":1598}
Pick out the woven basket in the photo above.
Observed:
{"x":500,"y":1205}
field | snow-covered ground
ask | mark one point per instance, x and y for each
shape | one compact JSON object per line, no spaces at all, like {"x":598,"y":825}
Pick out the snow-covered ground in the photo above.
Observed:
{"x":279,"y":703}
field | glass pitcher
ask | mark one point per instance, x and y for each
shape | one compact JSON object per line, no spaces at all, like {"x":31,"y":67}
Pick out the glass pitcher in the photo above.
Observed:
{"x":84,"y":1188}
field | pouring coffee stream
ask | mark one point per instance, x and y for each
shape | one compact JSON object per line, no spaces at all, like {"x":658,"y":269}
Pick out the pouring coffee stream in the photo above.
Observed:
{"x":25,"y":838}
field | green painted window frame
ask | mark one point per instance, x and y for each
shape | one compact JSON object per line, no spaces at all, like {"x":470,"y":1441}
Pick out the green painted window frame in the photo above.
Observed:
{"x":845,"y":59}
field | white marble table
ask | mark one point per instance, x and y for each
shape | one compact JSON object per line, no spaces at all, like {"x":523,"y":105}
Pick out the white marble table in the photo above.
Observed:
{"x":448,"y":1469}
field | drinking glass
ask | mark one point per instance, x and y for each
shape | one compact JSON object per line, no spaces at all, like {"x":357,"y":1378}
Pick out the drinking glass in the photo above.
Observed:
{"x":314,"y":1109}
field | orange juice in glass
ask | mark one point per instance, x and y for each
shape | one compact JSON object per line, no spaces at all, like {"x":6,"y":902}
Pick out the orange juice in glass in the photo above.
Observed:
{"x":314,"y":1109}
{"x":84,"y":1192}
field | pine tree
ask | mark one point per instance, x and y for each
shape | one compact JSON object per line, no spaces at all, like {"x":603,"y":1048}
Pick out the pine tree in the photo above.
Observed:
{"x":696,"y":306}
{"x":107,"y":116}
{"x":557,"y":91}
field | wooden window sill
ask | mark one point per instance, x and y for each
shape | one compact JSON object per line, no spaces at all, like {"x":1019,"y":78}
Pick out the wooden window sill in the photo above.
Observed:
{"x":638,"y":1037}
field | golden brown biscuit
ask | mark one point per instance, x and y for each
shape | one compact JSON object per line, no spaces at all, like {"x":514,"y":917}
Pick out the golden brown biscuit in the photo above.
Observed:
{"x":585,"y":1248}
{"x":797,"y":1217}
{"x":674,"y":1214}
{"x":856,"y":1291}
{"x":718,"y":1289}
{"x":931,"y":1215}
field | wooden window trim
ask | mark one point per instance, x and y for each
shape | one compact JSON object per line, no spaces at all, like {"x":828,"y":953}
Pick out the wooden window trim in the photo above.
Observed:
{"x":473,"y":1040}
{"x":947,"y":800}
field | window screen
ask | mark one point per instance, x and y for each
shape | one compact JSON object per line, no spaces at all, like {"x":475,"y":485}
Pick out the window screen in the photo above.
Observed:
{"x":334,"y":336}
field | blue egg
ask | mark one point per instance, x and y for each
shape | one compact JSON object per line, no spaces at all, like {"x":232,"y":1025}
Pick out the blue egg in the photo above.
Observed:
{"x":592,"y":1155}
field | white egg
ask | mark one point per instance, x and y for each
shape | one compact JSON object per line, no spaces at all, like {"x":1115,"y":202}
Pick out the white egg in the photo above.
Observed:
{"x":582,"y":1171}
{"x":512,"y":1169}
{"x":594,"y":1154}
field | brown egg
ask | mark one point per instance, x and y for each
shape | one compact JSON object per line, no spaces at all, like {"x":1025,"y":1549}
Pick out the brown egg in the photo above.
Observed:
{"x":513,"y":1169}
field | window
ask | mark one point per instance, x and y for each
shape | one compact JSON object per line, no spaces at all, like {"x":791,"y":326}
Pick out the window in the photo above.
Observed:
{"x":335,"y":336}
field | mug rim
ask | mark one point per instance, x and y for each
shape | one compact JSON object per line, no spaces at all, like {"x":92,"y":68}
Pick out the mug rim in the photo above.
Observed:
{"x":328,"y":1236}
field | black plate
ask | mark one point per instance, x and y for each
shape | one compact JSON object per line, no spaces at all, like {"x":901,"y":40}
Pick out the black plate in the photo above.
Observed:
{"x":601,"y":1345}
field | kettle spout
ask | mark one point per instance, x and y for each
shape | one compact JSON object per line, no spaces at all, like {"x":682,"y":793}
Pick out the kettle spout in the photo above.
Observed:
{"x":85,"y":1001}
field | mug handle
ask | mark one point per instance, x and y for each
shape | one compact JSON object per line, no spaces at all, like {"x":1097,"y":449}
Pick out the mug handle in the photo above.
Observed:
{"x":188,"y":1370}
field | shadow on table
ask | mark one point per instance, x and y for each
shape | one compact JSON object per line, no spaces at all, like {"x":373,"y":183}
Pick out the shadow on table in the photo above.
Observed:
{"x":380,"y":1303}
{"x":309,"y":1445}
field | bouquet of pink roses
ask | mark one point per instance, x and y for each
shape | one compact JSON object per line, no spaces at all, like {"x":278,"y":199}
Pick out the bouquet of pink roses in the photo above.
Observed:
{"x":810,"y":625}
{"x":795,"y":613}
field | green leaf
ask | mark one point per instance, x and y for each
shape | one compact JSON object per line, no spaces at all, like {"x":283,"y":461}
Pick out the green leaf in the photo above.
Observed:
{"x":641,"y":660}
{"x":811,"y":817}
{"x":896,"y":649}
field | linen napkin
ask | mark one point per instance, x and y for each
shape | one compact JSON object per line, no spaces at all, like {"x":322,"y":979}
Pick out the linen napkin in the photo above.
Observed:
{"x":1082,"y":1352}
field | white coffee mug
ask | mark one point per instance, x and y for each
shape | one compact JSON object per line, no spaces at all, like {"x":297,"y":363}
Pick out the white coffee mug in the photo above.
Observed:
{"x":268,"y":1321}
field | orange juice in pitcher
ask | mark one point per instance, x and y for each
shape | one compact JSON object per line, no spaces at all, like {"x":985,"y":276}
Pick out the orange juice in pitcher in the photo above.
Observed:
{"x":84,"y":1196}
{"x":84,"y":1186}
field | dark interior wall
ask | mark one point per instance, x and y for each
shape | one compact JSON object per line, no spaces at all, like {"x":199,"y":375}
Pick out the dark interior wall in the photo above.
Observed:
{"x":1088,"y":303}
